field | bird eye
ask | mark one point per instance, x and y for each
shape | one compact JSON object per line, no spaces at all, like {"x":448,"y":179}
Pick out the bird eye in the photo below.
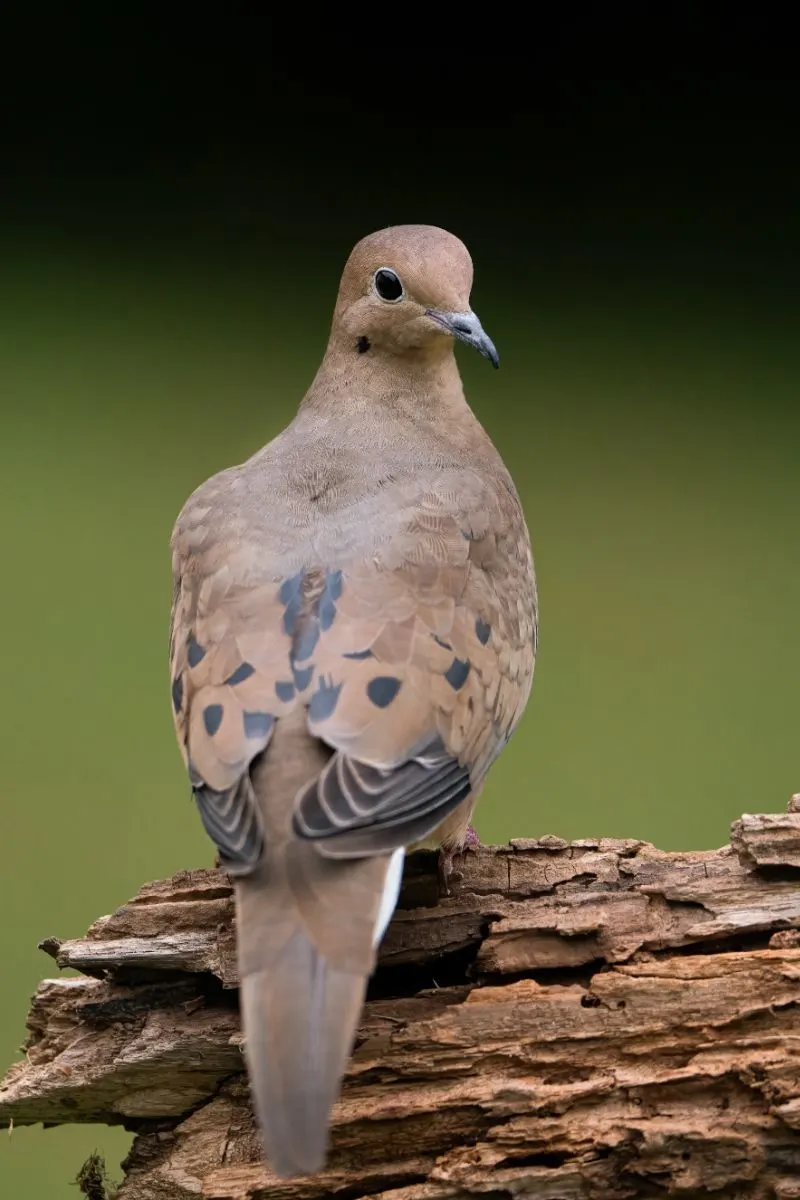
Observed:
{"x":387,"y":285}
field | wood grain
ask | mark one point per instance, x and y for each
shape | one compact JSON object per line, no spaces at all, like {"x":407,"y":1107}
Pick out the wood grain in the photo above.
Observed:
{"x":587,"y":1019}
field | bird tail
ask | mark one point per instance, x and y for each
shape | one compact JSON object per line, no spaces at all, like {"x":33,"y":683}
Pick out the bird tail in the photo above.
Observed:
{"x":300,"y":1018}
{"x":307,"y":928}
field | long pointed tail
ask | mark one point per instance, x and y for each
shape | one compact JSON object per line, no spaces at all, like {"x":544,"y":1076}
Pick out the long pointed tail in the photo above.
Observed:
{"x":307,"y":930}
{"x":300,"y":1019}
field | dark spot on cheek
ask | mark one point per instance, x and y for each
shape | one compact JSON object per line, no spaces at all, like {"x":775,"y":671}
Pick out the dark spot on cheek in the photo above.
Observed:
{"x":383,"y":690}
{"x":177,"y":693}
{"x":257,"y":724}
{"x":212,"y":718}
{"x":457,"y":673}
{"x":363,"y":344}
{"x":324,"y":700}
{"x":482,"y":631}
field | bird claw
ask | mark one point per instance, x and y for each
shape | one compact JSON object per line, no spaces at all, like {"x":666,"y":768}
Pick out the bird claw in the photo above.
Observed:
{"x":447,"y":858}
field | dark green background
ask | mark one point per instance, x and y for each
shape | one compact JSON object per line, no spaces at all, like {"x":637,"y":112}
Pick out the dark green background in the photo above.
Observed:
{"x":170,"y":254}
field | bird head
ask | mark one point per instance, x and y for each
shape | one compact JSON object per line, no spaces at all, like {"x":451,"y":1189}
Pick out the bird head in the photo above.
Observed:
{"x":405,"y":291}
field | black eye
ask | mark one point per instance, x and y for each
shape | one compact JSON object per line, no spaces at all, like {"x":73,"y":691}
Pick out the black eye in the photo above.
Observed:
{"x":387,"y":285}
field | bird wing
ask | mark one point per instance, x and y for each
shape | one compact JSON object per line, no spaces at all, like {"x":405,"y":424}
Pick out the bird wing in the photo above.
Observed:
{"x":412,"y":652}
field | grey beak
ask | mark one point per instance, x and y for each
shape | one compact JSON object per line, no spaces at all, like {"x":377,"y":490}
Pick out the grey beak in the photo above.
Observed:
{"x":467,"y":327}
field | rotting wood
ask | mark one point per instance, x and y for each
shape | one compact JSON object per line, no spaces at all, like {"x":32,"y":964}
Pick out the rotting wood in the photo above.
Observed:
{"x":576,"y":1020}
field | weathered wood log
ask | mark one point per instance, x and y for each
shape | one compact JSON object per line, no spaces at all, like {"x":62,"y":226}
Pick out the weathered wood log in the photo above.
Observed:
{"x":583,"y":1020}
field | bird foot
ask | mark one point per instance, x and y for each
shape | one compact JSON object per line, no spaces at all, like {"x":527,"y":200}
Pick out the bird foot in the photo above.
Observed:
{"x":447,"y":858}
{"x":471,"y":840}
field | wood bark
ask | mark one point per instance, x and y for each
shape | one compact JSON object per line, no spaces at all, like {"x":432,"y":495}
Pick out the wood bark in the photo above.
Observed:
{"x":575,"y":1020}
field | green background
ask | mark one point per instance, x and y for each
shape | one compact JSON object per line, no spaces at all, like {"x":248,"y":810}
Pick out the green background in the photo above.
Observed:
{"x":647,"y":406}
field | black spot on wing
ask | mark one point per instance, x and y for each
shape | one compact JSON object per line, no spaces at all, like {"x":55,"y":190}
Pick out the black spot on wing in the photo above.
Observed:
{"x":195,"y":653}
{"x":212,"y":718}
{"x":291,"y":588}
{"x":441,"y":642}
{"x":302,"y":676}
{"x":306,"y":643}
{"x":327,"y":601}
{"x":359,"y":655}
{"x":284,"y":690}
{"x":242,"y":672}
{"x":177,"y":693}
{"x":482,"y":631}
{"x":457,"y":672}
{"x":324,"y":700}
{"x":383,"y":689}
{"x":257,"y":724}
{"x":290,"y":595}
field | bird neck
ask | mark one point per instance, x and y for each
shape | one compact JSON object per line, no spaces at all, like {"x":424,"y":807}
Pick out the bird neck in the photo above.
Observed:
{"x":417,"y":385}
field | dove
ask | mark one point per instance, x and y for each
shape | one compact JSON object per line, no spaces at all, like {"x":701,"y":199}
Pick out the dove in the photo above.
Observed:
{"x":353,"y":636}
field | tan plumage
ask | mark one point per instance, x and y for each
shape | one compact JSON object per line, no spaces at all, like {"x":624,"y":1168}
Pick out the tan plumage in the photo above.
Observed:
{"x":353,"y":642}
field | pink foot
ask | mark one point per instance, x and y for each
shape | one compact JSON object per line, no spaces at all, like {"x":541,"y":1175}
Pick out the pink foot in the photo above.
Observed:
{"x":471,"y":840}
{"x":447,"y":857}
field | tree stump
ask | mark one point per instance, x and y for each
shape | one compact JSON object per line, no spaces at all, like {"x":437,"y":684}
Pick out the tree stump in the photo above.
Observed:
{"x":575,"y":1021}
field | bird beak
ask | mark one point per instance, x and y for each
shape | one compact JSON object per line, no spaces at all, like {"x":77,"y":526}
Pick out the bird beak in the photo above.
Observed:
{"x":467,"y":327}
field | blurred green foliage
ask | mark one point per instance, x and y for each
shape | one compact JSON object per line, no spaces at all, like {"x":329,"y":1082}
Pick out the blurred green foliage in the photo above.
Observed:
{"x":653,"y":436}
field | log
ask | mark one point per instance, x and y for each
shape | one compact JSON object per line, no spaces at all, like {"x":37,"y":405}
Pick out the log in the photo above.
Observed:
{"x":574,"y":1021}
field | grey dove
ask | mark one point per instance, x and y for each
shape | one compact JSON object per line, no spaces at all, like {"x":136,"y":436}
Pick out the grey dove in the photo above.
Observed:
{"x":353,"y":637}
